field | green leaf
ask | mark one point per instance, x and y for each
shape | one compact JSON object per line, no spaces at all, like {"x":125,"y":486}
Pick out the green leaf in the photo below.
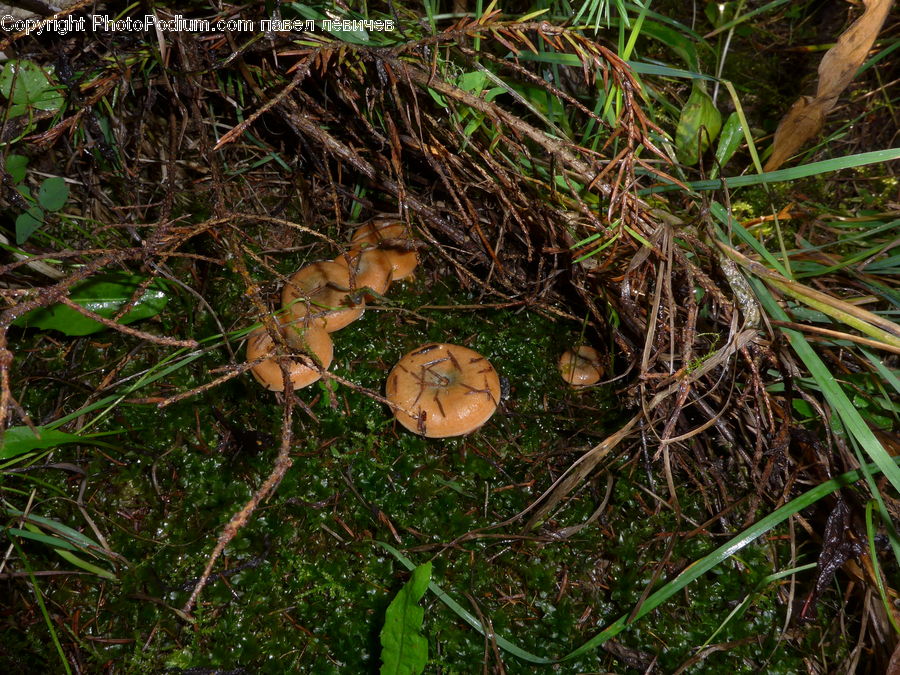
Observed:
{"x":793,"y":173}
{"x":55,"y":542}
{"x":26,"y":85}
{"x":72,"y":536}
{"x":16,"y":166}
{"x":104,"y":295}
{"x":404,"y":650}
{"x":699,"y":125}
{"x":730,"y":140}
{"x":27,"y":223}
{"x":718,"y":13}
{"x":53,"y":193}
{"x":440,"y":100}
{"x":63,"y":547}
{"x":675,"y":40}
{"x":473,"y":82}
{"x":19,"y":440}
{"x":85,"y":565}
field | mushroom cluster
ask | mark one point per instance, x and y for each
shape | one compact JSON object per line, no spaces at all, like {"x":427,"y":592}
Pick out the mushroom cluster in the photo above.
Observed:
{"x":437,"y":390}
{"x":325,"y":296}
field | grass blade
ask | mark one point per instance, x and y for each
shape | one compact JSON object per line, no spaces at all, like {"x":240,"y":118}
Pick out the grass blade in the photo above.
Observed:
{"x":38,"y":595}
{"x":813,"y":169}
{"x":837,"y":399}
{"x":689,"y":575}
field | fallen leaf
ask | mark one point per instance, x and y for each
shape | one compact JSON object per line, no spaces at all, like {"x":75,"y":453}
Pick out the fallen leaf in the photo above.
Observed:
{"x":840,"y":63}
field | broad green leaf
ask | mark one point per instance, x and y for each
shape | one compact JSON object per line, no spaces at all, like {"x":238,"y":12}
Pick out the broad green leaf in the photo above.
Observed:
{"x":104,"y":295}
{"x":19,"y":440}
{"x":474,"y":81}
{"x":698,"y":126}
{"x":16,"y":166}
{"x":26,"y":85}
{"x":890,"y":376}
{"x":404,"y":650}
{"x":27,"y":223}
{"x":730,"y":140}
{"x":53,"y":193}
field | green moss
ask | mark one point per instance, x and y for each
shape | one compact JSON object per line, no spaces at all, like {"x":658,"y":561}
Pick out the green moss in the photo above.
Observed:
{"x":311,"y":587}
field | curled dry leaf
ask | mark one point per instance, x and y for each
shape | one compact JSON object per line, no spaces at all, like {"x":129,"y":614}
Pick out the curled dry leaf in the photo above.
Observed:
{"x":836,"y":71}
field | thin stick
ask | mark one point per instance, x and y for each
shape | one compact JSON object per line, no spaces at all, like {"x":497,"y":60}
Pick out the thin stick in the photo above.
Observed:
{"x":283,"y":462}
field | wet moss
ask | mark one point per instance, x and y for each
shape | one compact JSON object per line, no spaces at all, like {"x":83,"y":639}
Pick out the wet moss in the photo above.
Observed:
{"x":303,"y":587}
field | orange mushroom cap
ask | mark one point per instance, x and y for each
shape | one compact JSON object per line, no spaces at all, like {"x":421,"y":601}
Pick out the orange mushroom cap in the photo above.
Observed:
{"x":314,"y":342}
{"x":370,"y":268}
{"x":581,"y":367}
{"x":377,"y":232}
{"x":321,"y":292}
{"x":451,"y":390}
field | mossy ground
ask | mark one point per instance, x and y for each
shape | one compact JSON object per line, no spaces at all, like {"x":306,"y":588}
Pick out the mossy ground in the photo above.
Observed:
{"x":311,"y":584}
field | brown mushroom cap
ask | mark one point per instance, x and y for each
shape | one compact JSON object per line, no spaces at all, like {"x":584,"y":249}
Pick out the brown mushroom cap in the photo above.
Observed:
{"x":303,"y":370}
{"x":320,"y":291}
{"x":375,"y":233}
{"x":372,"y":268}
{"x":581,"y":367}
{"x":452,"y":390}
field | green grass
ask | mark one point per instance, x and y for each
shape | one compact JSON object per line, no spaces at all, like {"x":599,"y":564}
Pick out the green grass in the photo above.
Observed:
{"x":306,"y":583}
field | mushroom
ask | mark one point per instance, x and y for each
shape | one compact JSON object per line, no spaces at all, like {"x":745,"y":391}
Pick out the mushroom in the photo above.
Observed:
{"x":313,"y":341}
{"x":321,"y":292}
{"x":450,"y":390}
{"x":581,"y":367}
{"x":378,"y":232}
{"x":372,"y":268}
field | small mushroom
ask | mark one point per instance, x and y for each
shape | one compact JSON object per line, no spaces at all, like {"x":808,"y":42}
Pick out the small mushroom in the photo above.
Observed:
{"x":371,"y":268}
{"x":313,"y":341}
{"x":379,"y":232}
{"x":450,"y":390}
{"x":320,"y":293}
{"x":581,"y":367}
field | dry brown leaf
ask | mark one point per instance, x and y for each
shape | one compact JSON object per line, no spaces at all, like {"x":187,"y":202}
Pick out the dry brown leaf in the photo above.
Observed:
{"x":836,"y":71}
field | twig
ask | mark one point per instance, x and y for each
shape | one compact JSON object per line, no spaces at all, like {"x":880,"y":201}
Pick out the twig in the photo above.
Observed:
{"x":128,"y":330}
{"x":283,"y":462}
